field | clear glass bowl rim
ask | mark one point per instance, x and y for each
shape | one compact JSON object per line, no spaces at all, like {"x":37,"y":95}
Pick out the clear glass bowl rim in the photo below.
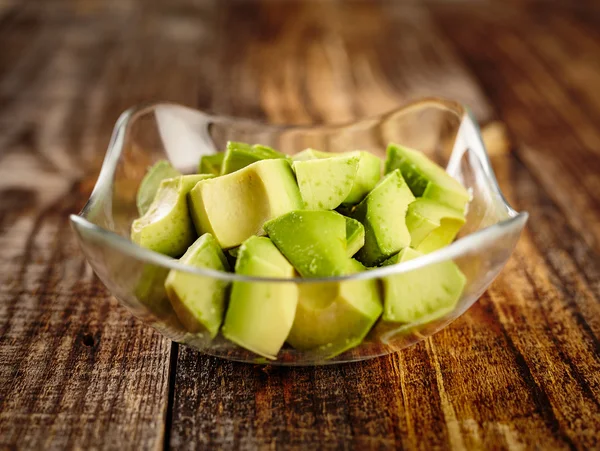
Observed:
{"x":465,"y":245}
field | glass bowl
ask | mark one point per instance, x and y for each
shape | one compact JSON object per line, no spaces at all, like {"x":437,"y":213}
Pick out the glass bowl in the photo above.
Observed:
{"x":443,"y":129}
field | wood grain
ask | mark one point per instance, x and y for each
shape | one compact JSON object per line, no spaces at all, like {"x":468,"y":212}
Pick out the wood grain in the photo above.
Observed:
{"x":520,"y":370}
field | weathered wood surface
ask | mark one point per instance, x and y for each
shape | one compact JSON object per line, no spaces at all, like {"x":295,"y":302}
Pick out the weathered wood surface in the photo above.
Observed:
{"x":520,"y":370}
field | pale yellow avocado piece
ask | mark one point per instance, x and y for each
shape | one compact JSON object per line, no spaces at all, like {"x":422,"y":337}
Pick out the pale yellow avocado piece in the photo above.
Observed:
{"x":260,"y":314}
{"x":432,"y":225}
{"x":325,"y":182}
{"x":235,"y":206}
{"x":335,"y":316}
{"x":199,"y":301}
{"x":167,"y":227}
{"x":421,"y":295}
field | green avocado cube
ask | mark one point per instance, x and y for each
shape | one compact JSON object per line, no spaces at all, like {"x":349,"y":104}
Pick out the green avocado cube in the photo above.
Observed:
{"x":423,"y":294}
{"x":150,"y":183}
{"x":261,"y":314}
{"x":355,"y":236}
{"x":425,"y":178}
{"x":211,"y":164}
{"x":367,"y":177}
{"x":367,"y":174}
{"x":167,"y":227}
{"x":432,"y":225}
{"x":235,"y":206}
{"x":198,"y":300}
{"x":239,"y":155}
{"x":333,"y":317}
{"x":383,"y":214}
{"x":324,"y":183}
{"x":313,"y":241}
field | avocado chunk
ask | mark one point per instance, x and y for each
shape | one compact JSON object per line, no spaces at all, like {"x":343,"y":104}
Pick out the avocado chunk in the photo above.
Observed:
{"x":333,"y":317}
{"x":167,"y":227}
{"x":432,"y":225}
{"x":147,"y":191}
{"x":198,"y":300}
{"x":355,"y":236}
{"x":423,"y":294}
{"x":383,"y":214}
{"x":425,"y":178}
{"x":367,"y":176}
{"x":235,"y":206}
{"x":325,"y":183}
{"x":239,"y":155}
{"x":211,"y":164}
{"x":313,"y":241}
{"x":261,"y":314}
{"x":150,"y":291}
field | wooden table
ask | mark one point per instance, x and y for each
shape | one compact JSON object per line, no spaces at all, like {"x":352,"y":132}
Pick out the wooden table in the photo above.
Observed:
{"x":520,"y":370}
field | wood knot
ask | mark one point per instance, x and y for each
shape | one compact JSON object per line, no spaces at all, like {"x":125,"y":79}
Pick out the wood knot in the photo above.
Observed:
{"x":88,"y":340}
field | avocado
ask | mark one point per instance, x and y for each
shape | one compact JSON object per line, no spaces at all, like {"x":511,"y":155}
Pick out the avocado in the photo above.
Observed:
{"x":147,"y":191}
{"x":423,"y":294}
{"x":260,"y":314}
{"x":324,"y":183}
{"x":167,"y":227}
{"x":211,"y":164}
{"x":313,"y":241}
{"x":198,"y":300}
{"x":239,"y":155}
{"x":367,"y":176}
{"x":333,"y":317}
{"x":235,"y":206}
{"x":355,"y":236}
{"x":383,"y":214}
{"x":150,"y":291}
{"x":312,"y":154}
{"x":425,"y":178}
{"x":432,"y":225}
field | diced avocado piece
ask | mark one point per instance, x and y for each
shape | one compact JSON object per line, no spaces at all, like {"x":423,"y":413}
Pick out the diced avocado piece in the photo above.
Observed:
{"x":313,"y":241}
{"x":432,"y":225}
{"x":199,"y":301}
{"x":335,"y":316}
{"x":211,"y":164}
{"x":355,"y":236}
{"x":367,"y":176}
{"x":312,"y":154}
{"x":423,"y":294}
{"x":425,"y":178}
{"x":324,"y":183}
{"x":167,"y":227}
{"x":260,"y":314}
{"x":147,"y":191}
{"x":239,"y":155}
{"x":235,"y":206}
{"x":383,"y":213}
{"x":150,"y":291}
